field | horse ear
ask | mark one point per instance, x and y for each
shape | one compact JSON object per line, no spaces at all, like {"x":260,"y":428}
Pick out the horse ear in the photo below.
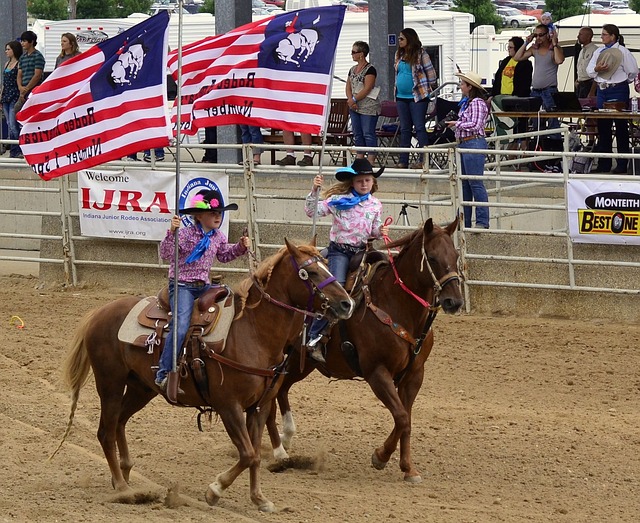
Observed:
{"x":293,"y":250}
{"x":453,"y":226}
{"x":428,"y":227}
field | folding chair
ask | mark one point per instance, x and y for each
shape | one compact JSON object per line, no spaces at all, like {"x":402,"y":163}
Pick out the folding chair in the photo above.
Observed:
{"x":338,"y":129}
{"x":388,"y":131}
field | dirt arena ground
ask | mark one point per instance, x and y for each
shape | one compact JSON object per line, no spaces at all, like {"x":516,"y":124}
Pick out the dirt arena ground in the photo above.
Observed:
{"x":519,"y":419}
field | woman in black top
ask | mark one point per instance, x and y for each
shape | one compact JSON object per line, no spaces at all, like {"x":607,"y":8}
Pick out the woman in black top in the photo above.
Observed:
{"x":521,"y":74}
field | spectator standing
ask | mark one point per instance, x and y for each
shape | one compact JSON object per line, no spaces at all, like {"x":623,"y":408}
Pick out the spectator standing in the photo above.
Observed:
{"x":547,"y":56}
{"x":11,"y":93}
{"x":513,"y":78}
{"x":68,"y":48}
{"x":415,"y":79}
{"x":363,"y":106}
{"x":469,"y":131}
{"x":288,"y":138}
{"x":613,"y":68}
{"x":585,"y":86}
{"x":252,"y":134}
{"x":30,"y":67}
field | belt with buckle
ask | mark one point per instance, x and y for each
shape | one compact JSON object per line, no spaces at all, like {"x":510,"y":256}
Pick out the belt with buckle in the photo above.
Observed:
{"x":467,"y":138}
{"x":197,"y":283}
{"x":605,"y":85}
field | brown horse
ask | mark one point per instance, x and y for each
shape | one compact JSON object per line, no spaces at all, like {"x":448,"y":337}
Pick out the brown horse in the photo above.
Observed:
{"x":268,"y":319}
{"x":390,"y":331}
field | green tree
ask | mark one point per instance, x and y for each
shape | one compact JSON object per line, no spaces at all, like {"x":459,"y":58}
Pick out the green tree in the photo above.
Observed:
{"x":48,"y":9}
{"x":635,"y":5}
{"x":126,"y":7}
{"x":560,"y":9}
{"x":96,"y":9}
{"x":483,"y":11}
{"x":209,"y":6}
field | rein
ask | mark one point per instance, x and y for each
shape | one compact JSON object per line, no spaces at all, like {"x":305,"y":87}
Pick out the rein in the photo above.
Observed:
{"x":438,"y":284}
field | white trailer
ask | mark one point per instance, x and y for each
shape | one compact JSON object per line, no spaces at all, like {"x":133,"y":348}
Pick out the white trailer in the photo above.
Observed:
{"x":92,"y":31}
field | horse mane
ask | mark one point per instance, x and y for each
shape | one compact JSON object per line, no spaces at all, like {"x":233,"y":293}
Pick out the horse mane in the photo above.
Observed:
{"x":262,"y":275}
{"x":404,"y":241}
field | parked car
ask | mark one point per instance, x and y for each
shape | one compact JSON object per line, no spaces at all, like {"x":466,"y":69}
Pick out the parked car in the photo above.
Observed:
{"x":513,"y":18}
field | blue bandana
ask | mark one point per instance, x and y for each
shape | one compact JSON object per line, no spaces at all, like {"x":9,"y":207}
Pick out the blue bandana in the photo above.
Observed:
{"x":202,"y":245}
{"x":346,"y":202}
{"x":463,"y":103}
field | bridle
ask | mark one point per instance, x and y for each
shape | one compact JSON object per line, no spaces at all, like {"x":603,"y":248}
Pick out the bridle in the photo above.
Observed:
{"x":315,"y":290}
{"x":438,"y":283}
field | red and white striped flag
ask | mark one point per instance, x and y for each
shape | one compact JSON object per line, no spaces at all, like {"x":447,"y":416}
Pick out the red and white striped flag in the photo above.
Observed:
{"x":275,"y":72}
{"x":101,"y":105}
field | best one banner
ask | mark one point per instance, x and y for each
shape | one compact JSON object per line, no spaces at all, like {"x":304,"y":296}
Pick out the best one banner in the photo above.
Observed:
{"x":604,"y":212}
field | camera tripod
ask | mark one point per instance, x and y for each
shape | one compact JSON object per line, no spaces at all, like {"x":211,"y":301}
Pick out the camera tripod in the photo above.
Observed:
{"x":403,"y":213}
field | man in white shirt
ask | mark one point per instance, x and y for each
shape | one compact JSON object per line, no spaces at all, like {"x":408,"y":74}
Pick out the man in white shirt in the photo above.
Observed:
{"x":585,"y":87}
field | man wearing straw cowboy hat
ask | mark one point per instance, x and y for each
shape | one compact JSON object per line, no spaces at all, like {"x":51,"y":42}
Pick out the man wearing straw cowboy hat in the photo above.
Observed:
{"x":469,"y":131}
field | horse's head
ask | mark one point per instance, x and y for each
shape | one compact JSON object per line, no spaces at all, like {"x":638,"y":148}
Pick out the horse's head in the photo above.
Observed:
{"x":440,"y":260}
{"x":428,"y":264}
{"x":313,"y":286}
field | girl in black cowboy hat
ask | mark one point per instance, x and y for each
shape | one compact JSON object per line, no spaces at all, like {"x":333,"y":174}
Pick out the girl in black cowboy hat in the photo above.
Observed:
{"x":357,"y":216}
{"x":199,"y":244}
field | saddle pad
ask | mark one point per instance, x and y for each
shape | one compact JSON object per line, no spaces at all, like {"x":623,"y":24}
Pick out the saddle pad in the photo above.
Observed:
{"x":131,"y":329}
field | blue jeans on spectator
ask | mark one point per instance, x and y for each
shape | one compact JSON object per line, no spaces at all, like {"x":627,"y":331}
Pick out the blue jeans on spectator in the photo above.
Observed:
{"x":12,"y":127}
{"x":159,"y":154}
{"x":549,"y":105}
{"x":363,"y":127}
{"x":474,"y":190}
{"x":339,"y":259}
{"x":252,"y":134}
{"x":412,"y":115}
{"x":616,"y":93}
{"x":187,"y":295}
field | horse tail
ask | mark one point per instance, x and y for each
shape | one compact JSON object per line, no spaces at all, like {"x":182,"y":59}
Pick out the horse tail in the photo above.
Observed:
{"x":76,"y":371}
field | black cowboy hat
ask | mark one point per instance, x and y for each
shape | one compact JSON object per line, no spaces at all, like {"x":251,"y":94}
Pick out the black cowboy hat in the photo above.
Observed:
{"x":359,"y":166}
{"x":208,"y":200}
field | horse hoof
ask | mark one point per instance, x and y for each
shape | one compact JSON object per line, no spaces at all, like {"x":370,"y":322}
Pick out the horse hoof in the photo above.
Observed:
{"x":413,"y":479}
{"x":377,"y":463}
{"x":213,"y":495}
{"x":280,"y":453}
{"x":267,"y":506}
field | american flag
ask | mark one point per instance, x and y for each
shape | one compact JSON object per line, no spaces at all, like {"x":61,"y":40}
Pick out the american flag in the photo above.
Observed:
{"x":274,"y":72}
{"x":101,"y":105}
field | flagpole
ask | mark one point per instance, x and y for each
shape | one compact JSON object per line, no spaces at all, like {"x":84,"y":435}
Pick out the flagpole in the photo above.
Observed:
{"x":174,"y":305}
{"x":324,"y":143}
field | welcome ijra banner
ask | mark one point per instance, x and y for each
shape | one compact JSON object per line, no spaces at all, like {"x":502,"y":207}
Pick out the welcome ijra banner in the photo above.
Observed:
{"x":138,"y":205}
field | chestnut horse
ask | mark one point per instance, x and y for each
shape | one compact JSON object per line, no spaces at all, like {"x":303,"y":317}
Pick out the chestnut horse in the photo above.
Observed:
{"x":270,"y":309}
{"x":391,"y":333}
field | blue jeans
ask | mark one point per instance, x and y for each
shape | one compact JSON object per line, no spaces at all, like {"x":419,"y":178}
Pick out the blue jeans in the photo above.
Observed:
{"x":187,"y":296}
{"x":548,"y":104}
{"x":412,"y":115}
{"x":12,"y":126}
{"x":474,"y":190}
{"x":364,"y":129}
{"x":159,"y":153}
{"x":616,"y":93}
{"x":252,"y":134}
{"x":338,"y":266}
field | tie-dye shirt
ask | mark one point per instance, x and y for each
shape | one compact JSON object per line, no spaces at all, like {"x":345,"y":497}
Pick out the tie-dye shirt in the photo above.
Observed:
{"x":352,"y":226}
{"x":188,"y":238}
